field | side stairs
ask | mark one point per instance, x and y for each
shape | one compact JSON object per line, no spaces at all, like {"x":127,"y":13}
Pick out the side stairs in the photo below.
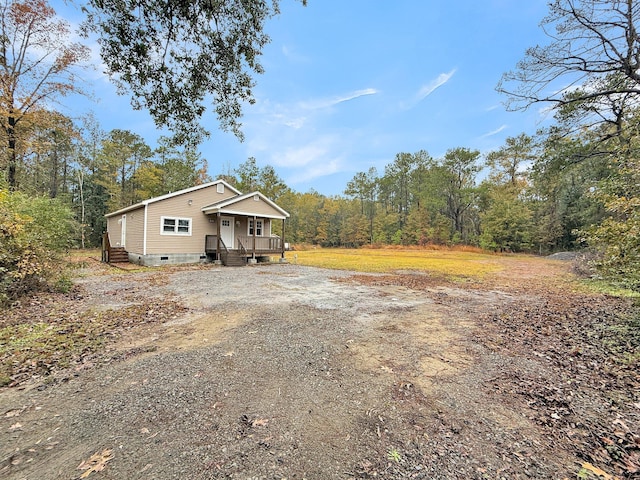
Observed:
{"x":232,"y":259}
{"x":118,"y":255}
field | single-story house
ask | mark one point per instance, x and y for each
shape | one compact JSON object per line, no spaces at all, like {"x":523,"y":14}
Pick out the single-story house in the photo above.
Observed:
{"x":209,"y":222}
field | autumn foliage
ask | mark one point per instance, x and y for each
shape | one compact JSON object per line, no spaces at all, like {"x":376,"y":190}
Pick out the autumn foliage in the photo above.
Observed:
{"x":33,"y":233}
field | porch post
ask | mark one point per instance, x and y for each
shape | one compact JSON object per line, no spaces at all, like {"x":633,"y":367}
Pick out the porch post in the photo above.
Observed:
{"x":218,"y":237}
{"x":283,"y":237}
{"x":255,"y":227}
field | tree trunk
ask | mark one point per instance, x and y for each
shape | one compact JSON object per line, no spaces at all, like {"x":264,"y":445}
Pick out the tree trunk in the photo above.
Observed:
{"x":82,"y":208}
{"x":11,"y":135}
{"x":53,"y":190}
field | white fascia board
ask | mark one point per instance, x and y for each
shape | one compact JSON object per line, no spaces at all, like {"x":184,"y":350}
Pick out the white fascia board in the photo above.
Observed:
{"x":224,"y":211}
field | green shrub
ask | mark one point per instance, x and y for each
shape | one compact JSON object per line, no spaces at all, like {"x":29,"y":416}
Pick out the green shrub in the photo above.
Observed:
{"x":34,"y":232}
{"x":617,"y":243}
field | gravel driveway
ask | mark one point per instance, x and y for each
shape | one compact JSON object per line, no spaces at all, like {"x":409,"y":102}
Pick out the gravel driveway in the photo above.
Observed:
{"x":280,"y":371}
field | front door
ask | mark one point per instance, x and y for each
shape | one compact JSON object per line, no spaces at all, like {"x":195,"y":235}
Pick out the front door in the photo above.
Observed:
{"x":226,"y":232}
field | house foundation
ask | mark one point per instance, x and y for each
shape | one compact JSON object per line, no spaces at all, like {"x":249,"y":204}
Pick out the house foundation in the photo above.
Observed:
{"x":156,"y":260}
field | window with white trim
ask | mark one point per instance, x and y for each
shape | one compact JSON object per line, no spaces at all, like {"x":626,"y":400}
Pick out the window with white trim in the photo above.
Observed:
{"x":259,"y":225}
{"x":175,"y":226}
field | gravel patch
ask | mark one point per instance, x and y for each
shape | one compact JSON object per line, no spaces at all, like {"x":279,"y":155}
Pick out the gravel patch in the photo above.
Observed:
{"x":282,"y":371}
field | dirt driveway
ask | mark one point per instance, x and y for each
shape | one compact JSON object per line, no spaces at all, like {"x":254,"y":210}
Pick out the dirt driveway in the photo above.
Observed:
{"x":284,"y":371}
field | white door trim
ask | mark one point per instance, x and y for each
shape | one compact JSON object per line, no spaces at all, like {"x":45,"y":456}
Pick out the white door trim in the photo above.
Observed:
{"x":227,"y":233}
{"x":123,"y":231}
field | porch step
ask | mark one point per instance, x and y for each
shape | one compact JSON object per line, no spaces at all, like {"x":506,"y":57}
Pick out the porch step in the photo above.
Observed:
{"x":118,"y":255}
{"x":232,"y":259}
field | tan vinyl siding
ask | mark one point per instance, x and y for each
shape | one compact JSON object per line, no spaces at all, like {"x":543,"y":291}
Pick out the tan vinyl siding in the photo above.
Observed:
{"x":178,"y":207}
{"x":251,"y":207}
{"x":114,"y":230}
{"x":135,"y":231}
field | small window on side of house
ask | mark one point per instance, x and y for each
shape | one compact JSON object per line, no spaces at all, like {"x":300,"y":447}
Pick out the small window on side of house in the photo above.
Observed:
{"x":175,"y":226}
{"x":220,"y":188}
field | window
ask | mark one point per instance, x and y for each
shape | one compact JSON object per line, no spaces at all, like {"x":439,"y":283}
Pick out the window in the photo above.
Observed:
{"x":258,"y":228}
{"x":175,"y":226}
{"x":225,"y":222}
{"x":220,"y":188}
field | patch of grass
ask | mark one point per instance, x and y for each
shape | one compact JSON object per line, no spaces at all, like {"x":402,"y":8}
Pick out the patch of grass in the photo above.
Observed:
{"x":606,"y":288}
{"x":36,"y":348}
{"x":394,"y":455}
{"x":448,"y":262}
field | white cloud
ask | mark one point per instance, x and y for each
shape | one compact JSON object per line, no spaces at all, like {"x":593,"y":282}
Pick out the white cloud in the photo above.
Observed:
{"x":296,"y":157}
{"x":432,"y":86}
{"x":291,"y":120}
{"x":301,"y":139}
{"x":321,"y":103}
{"x":494,"y":132}
{"x":292,"y":55}
{"x":328,"y":167}
{"x":299,"y":115}
{"x":427,"y":90}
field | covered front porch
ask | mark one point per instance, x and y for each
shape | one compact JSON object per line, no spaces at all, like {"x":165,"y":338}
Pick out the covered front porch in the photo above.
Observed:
{"x":244,"y":249}
{"x":244,"y":230}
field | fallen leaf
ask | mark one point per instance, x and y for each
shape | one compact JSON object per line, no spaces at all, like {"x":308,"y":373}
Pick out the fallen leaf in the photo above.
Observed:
{"x":598,"y":471}
{"x":260,"y":422}
{"x":15,"y":426}
{"x":96,"y":463}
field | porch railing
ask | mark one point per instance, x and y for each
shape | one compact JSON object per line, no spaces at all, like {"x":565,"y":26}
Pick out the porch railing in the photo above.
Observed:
{"x":241,"y":247}
{"x":246,"y":244}
{"x":211,"y":244}
{"x":262,"y":244}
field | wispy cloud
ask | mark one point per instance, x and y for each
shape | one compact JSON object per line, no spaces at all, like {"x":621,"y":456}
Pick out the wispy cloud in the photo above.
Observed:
{"x":292,"y":55}
{"x":427,"y":90}
{"x":433,"y":85}
{"x":321,"y":103}
{"x":298,"y":115}
{"x":297,"y":157}
{"x":494,"y":132}
{"x":328,"y":167}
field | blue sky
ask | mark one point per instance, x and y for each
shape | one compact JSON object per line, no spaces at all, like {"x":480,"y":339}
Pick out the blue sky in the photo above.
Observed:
{"x":351,"y":83}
